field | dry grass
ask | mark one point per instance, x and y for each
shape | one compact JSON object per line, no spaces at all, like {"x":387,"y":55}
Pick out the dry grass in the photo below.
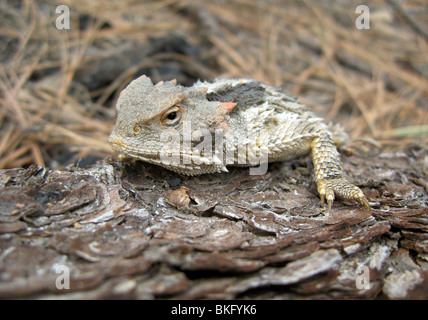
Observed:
{"x":372,"y":81}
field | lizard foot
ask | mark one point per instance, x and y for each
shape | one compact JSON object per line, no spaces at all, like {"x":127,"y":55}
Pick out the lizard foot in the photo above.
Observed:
{"x":340,"y":187}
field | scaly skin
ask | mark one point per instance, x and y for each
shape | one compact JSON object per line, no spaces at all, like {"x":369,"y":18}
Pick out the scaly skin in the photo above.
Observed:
{"x":205,"y":128}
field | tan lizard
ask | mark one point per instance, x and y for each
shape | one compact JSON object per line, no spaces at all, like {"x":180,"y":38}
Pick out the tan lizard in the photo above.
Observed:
{"x":206,"y":127}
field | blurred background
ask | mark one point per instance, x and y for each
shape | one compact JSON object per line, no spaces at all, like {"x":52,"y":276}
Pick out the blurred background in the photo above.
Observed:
{"x":58,"y":86}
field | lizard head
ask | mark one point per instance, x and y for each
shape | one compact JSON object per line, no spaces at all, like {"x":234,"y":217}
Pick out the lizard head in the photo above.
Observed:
{"x":154,"y":118}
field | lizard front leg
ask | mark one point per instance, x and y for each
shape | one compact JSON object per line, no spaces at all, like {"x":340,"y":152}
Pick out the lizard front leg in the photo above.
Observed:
{"x":328,"y":173}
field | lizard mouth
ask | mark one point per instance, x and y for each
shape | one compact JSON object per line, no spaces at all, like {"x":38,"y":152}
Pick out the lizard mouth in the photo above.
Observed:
{"x":123,"y":148}
{"x":116,"y":144}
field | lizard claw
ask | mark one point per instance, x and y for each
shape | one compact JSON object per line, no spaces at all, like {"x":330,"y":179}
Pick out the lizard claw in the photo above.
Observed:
{"x":340,"y":187}
{"x":365,"y":203}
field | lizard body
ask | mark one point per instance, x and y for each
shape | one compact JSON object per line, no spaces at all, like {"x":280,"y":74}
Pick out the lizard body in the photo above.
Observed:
{"x":206,"y":127}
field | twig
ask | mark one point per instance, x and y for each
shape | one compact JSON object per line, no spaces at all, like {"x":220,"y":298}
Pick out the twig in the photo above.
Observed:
{"x":408,"y":18}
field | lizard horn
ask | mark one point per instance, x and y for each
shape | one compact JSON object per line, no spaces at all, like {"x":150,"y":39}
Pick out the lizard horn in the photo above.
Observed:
{"x":203,"y":90}
{"x":228,"y":106}
{"x":143,"y":80}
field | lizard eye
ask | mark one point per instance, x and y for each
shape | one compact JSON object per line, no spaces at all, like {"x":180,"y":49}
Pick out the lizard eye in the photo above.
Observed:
{"x":136,"y":129}
{"x":172,"y":116}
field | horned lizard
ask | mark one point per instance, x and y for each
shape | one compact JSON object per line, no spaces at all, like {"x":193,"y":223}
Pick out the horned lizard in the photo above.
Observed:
{"x":206,"y":127}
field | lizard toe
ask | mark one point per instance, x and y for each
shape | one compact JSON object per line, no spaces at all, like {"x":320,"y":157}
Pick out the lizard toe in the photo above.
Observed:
{"x":341,"y":188}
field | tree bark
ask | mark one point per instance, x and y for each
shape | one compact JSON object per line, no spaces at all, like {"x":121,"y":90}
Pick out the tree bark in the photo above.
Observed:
{"x":134,"y":230}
